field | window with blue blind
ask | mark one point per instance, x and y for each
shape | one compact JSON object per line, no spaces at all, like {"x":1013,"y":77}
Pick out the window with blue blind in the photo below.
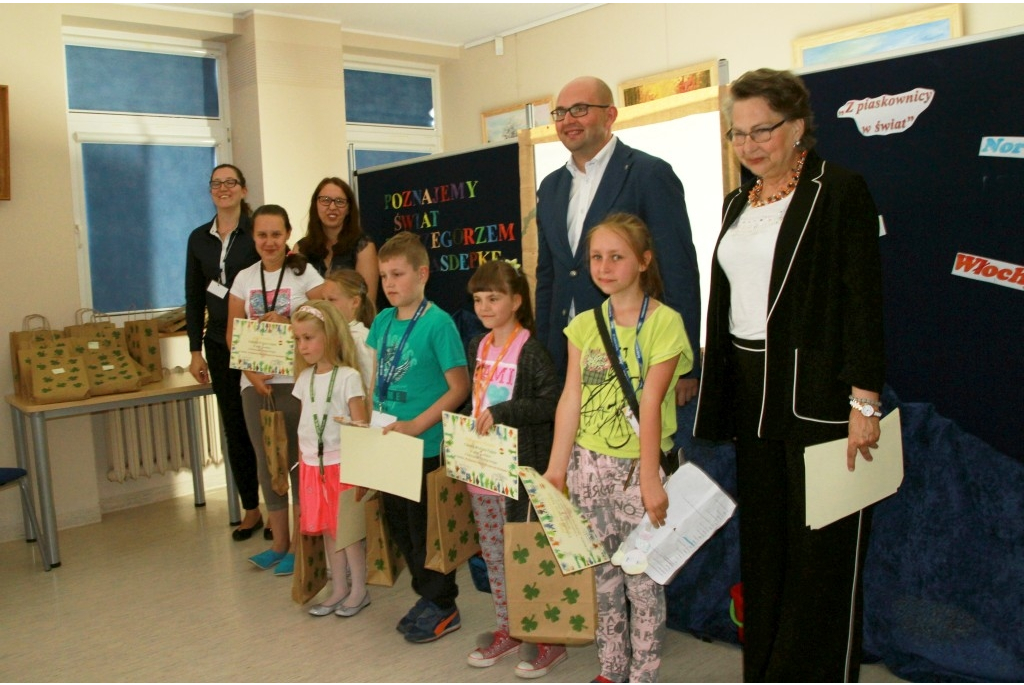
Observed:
{"x":388,"y":99}
{"x":370,"y":158}
{"x":141,"y":203}
{"x":135,"y":82}
{"x":149,"y":118}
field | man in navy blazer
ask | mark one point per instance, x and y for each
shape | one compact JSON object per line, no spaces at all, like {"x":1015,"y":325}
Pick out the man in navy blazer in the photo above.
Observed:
{"x":603,"y":176}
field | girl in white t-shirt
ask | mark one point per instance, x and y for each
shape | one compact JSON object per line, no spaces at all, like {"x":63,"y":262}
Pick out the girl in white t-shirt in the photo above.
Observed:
{"x":330,"y":387}
{"x":347,"y":291}
{"x":271,"y":290}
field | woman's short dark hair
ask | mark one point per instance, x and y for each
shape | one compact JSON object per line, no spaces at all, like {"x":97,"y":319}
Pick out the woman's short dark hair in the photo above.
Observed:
{"x":784,"y":92}
{"x":314,"y":245}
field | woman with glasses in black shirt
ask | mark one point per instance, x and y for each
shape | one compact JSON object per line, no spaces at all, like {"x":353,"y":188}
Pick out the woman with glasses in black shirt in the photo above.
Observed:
{"x":217,"y":251}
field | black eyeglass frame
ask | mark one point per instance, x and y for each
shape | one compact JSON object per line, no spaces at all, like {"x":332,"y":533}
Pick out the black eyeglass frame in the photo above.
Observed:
{"x":738,"y":137}
{"x":578,"y":111}
{"x":339,"y":202}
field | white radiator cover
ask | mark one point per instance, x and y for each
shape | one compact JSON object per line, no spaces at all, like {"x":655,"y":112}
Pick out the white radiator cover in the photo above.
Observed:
{"x":143,"y":441}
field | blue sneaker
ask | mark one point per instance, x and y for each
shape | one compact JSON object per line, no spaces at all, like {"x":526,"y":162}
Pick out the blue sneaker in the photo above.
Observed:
{"x":410,"y":618}
{"x":287,"y":565}
{"x":433,"y":624}
{"x":267,"y":559}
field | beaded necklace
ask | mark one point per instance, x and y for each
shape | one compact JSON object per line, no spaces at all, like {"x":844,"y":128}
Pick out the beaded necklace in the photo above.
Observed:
{"x":754,"y":197}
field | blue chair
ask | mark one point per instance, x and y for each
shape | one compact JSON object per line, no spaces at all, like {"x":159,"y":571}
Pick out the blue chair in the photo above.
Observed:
{"x":9,"y":476}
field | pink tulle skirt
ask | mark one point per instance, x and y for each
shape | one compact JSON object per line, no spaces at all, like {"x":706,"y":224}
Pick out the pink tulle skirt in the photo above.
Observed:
{"x":318,"y":498}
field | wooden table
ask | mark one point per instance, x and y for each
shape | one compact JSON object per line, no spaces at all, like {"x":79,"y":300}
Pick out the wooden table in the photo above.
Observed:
{"x":177,"y":386}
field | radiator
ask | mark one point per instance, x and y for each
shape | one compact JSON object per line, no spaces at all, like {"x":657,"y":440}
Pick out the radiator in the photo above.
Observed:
{"x":142,"y":441}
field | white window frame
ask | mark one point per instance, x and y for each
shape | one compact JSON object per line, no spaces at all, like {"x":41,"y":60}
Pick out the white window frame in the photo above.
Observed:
{"x":390,"y":137}
{"x":139,"y":129}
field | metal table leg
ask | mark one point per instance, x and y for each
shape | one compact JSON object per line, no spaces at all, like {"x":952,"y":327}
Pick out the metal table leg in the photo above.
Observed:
{"x":44,"y":483}
{"x":196,"y":452}
{"x":21,"y":451}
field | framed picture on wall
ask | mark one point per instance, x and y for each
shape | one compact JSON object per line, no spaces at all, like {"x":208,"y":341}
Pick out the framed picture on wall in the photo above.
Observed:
{"x":873,"y":37}
{"x":657,"y":86}
{"x":5,"y":147}
{"x":504,"y":123}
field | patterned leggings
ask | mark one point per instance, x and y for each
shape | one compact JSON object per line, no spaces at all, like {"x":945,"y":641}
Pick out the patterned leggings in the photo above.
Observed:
{"x":489,"y":511}
{"x":630,"y":609}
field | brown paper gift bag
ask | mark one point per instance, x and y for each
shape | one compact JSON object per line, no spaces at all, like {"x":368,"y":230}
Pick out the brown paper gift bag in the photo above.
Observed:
{"x":383,"y":560}
{"x":143,"y":341}
{"x":310,"y":566}
{"x":275,"y":445}
{"x":97,"y":322}
{"x":543,"y":604}
{"x":110,"y":369}
{"x":35,"y":328}
{"x":33,"y":358}
{"x":452,"y":536}
{"x":58,"y":375}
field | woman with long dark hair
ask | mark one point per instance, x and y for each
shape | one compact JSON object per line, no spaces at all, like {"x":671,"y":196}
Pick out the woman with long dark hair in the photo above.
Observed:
{"x":334,"y":237}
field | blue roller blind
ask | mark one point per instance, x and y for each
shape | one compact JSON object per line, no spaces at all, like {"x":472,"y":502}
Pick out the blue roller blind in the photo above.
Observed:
{"x":369,"y":158}
{"x":142,"y":201}
{"x":129,"y":81}
{"x":374,"y":97}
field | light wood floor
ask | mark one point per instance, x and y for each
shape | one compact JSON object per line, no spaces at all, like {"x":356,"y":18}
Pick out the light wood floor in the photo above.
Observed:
{"x":162,"y":593}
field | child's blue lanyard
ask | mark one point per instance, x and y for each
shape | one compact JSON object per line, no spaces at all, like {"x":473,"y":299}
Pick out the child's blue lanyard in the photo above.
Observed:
{"x":386,"y":372}
{"x":636,"y":343}
{"x":321,"y":424}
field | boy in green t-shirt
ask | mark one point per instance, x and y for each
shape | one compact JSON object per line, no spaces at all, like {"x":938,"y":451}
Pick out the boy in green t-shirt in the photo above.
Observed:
{"x":421,"y":371}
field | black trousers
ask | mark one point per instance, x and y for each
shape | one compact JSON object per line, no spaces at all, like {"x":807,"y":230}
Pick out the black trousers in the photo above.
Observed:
{"x":801,"y":588}
{"x":407,"y":523}
{"x":227,"y":387}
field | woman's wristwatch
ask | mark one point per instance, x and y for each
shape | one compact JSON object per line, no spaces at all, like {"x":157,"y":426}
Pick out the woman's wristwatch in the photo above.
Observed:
{"x":865,"y":406}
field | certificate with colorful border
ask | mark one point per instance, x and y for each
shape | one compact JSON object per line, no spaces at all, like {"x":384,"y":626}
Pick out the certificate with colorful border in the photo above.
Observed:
{"x":263,"y":347}
{"x":574,"y":543}
{"x":488,"y":461}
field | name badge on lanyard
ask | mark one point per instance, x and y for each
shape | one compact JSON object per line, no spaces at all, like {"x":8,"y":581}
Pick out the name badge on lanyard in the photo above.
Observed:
{"x":217,"y":289}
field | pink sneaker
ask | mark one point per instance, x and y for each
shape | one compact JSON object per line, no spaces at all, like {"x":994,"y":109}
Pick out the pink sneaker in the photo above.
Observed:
{"x":548,"y":656}
{"x":501,"y":646}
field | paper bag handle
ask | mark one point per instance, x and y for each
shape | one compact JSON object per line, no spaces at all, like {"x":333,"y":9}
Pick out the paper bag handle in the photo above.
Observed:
{"x":26,"y":323}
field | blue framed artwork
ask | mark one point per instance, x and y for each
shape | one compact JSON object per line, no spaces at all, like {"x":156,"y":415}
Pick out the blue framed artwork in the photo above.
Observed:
{"x":875,"y":37}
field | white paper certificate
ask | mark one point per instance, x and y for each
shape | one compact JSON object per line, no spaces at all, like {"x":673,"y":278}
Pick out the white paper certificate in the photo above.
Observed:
{"x":392,"y":462}
{"x":833,"y":491}
{"x":487,"y":461}
{"x":263,"y":347}
{"x":572,"y":540}
{"x":697,"y":507}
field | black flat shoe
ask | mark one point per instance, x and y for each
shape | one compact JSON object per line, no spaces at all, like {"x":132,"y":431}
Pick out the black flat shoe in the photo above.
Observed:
{"x":240,"y":534}
{"x":268,"y":534}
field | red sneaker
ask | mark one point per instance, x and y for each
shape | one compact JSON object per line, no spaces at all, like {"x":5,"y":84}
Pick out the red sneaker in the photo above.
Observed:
{"x":548,"y":656}
{"x":501,"y":646}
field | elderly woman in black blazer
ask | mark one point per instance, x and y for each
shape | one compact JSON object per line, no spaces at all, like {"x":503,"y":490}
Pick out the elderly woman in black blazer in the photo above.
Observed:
{"x":794,"y":357}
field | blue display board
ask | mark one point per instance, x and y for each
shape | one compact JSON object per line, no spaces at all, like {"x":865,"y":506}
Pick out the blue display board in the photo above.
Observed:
{"x":938,"y":136}
{"x":141,"y":202}
{"x":464,"y":207}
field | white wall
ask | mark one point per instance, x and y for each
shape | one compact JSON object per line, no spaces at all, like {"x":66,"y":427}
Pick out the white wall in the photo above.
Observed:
{"x":620,"y":42}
